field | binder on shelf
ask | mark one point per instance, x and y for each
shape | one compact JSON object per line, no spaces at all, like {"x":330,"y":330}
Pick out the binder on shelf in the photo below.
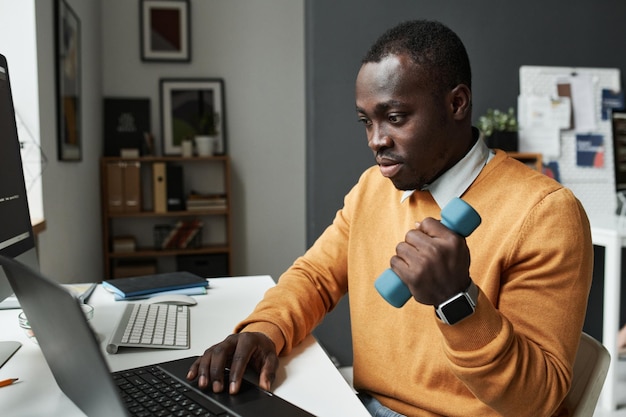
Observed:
{"x":159,"y":184}
{"x":174,"y":188}
{"x":132,"y":186}
{"x":124,"y":186}
{"x":115,"y":187}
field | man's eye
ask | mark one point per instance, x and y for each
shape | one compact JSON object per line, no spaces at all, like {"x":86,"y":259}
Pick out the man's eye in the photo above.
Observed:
{"x":365,"y":121}
{"x":395,"y":118}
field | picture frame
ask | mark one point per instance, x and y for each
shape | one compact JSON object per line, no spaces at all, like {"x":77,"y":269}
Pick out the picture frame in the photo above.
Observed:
{"x":126,"y":126}
{"x":68,"y":82}
{"x":185,"y":106}
{"x":165,"y":30}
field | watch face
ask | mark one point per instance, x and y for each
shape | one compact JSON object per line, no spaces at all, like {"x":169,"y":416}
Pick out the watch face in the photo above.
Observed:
{"x":457,"y":309}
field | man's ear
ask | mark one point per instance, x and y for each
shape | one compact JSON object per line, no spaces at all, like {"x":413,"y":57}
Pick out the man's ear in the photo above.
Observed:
{"x":461,"y":101}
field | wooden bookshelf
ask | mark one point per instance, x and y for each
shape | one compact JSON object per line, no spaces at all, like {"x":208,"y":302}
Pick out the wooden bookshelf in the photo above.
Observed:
{"x":206,"y":175}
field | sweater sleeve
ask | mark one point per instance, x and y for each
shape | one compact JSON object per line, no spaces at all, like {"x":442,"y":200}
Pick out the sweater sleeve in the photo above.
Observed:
{"x":307,"y":291}
{"x":517,"y":351}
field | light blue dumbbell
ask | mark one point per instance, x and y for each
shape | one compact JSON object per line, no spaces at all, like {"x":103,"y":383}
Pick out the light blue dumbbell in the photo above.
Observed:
{"x":457,"y":216}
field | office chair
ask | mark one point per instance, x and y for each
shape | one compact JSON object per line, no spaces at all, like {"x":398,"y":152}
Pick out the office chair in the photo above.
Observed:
{"x":590,"y":369}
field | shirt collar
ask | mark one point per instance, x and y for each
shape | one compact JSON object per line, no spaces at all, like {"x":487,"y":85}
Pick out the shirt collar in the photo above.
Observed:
{"x":457,"y":179}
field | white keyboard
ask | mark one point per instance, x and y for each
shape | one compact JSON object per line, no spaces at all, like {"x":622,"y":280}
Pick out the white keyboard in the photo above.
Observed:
{"x":142,"y":325}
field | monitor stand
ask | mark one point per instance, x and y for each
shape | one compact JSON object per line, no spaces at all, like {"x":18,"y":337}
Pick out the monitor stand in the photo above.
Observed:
{"x":7,"y":349}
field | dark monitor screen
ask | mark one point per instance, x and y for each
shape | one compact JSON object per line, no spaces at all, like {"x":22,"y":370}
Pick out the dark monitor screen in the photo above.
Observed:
{"x":16,"y":233}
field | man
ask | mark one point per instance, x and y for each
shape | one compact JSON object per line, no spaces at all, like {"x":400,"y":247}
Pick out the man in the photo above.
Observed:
{"x":529,"y":274}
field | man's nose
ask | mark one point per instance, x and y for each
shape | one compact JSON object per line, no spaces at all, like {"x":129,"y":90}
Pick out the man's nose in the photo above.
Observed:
{"x":378,"y":138}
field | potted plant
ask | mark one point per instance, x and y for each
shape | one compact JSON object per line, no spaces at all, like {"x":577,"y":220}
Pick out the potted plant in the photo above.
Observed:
{"x":500,"y":129}
{"x":207,"y":131}
{"x":209,"y":124}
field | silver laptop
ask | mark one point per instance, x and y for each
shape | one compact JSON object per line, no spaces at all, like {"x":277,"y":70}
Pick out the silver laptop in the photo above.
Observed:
{"x":73,"y":354}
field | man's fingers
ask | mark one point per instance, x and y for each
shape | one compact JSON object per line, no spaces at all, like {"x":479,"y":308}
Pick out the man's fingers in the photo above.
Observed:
{"x":236,"y":352}
{"x":268,"y":372}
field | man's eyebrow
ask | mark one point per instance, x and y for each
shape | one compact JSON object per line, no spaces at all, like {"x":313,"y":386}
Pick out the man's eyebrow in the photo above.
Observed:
{"x":382,"y":106}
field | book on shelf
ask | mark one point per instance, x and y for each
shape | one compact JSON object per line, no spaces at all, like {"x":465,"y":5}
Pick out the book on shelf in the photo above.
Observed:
{"x":182,"y":234}
{"x":197,"y":201}
{"x":188,"y":233}
{"x":124,"y":244}
{"x":149,"y":284}
{"x":171,"y":236}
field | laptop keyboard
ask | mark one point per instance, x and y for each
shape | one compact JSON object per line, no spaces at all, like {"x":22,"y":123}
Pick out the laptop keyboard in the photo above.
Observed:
{"x":152,"y":326}
{"x":148,"y":391}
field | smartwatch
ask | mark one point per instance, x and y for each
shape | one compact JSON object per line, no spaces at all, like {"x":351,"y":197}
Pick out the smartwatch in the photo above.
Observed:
{"x":459,"y":306}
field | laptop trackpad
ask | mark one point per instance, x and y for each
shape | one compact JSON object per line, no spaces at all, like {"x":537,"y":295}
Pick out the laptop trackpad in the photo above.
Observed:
{"x":250,"y":401}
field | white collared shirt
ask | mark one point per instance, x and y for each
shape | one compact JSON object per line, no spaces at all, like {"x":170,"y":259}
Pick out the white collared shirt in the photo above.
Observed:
{"x":457,"y":179}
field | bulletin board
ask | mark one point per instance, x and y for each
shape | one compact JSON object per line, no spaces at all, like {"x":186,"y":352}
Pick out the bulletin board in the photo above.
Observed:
{"x":593,"y":186}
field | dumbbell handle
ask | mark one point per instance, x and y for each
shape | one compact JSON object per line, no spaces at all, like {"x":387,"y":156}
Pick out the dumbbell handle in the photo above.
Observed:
{"x":457,"y":216}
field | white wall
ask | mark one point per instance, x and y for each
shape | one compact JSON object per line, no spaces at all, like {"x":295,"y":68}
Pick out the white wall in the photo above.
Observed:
{"x":70,"y":247}
{"x":258,"y":48}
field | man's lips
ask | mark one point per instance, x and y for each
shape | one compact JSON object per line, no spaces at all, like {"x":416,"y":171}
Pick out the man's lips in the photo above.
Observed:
{"x":389,"y":167}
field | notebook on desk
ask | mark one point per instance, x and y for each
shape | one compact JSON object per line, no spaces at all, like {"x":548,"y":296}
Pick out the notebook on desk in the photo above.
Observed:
{"x":132,"y":287}
{"x":73,"y":354}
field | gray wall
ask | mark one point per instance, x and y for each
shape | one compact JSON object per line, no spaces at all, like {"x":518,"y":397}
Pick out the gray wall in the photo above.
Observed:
{"x":499,"y":37}
{"x":258,"y":49}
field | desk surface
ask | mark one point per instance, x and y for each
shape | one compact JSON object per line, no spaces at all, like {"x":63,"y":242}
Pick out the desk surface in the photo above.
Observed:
{"x":306,"y":377}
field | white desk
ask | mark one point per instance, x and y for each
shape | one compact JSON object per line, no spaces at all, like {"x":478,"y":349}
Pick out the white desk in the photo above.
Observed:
{"x":607,"y":233}
{"x":306,"y":377}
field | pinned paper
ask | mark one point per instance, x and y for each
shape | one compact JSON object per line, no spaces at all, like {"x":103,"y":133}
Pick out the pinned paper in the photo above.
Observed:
{"x":611,"y":100}
{"x":583,"y":102}
{"x":590,"y":151}
{"x":540,"y":120}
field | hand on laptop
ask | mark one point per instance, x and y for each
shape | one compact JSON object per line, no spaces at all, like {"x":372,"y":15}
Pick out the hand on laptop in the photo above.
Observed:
{"x":236,"y":352}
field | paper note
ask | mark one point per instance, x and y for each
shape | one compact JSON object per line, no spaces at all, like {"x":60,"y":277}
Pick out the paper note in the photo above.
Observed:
{"x":583,"y":102}
{"x":590,"y":151}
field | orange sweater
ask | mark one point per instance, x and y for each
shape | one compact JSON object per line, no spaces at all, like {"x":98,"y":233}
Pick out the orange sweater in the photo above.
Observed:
{"x":531,"y":258}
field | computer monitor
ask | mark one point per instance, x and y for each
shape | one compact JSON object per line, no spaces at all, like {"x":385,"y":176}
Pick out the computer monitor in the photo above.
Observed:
{"x":16,"y":232}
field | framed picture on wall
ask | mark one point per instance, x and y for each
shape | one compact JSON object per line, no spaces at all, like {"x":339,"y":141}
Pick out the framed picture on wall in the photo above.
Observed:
{"x":126,"y":126}
{"x":192,"y":107}
{"x":165,"y":29}
{"x":68,"y":74}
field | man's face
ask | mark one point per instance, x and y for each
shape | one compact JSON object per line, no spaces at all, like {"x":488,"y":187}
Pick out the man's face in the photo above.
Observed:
{"x":408,"y":126}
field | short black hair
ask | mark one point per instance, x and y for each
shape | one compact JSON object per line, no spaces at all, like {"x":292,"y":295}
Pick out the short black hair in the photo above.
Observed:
{"x":434,"y":47}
